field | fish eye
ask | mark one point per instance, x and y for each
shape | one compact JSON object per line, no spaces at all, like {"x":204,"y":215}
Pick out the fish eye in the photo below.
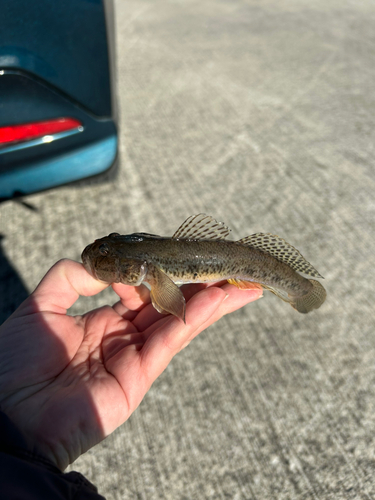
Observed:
{"x":113,"y":234}
{"x":104,"y":249}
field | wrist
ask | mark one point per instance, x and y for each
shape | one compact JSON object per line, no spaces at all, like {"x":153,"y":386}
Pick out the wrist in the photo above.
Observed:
{"x":19,"y":441}
{"x":13,"y":442}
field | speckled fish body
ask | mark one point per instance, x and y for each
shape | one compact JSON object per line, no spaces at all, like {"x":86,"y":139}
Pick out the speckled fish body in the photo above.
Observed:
{"x":198,"y":253}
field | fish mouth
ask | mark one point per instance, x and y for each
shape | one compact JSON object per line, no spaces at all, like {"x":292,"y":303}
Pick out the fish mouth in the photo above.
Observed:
{"x":87,"y":262}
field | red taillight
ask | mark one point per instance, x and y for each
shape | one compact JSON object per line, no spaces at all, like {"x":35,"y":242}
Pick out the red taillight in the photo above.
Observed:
{"x":29,"y":131}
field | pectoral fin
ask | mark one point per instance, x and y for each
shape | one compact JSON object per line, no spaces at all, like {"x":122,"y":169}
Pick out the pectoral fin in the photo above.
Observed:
{"x":166,"y":297}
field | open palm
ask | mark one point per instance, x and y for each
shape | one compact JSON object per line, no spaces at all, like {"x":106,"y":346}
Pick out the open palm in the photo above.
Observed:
{"x":68,"y":382}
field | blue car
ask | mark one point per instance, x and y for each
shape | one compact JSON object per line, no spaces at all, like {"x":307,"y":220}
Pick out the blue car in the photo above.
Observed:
{"x":57,"y":104}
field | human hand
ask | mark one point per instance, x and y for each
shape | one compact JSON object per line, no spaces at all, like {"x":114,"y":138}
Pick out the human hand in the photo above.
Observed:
{"x":68,"y":382}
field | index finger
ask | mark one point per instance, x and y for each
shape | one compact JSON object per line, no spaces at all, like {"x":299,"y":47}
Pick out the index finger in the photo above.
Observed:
{"x":132,"y":298}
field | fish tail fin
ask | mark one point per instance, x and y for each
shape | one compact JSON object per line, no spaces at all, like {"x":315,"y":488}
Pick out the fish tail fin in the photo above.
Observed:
{"x":312,"y":300}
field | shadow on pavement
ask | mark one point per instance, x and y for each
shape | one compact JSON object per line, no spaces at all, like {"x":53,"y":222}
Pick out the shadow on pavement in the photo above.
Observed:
{"x":12,"y":288}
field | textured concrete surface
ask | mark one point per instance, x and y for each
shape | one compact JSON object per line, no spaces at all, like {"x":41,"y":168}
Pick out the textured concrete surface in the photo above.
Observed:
{"x":260,"y":114}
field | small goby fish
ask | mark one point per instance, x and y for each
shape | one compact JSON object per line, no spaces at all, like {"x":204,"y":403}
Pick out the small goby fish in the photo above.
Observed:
{"x":199,"y":252}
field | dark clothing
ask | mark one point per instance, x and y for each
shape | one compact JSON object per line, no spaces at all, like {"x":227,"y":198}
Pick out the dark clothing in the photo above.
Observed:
{"x":28,"y":476}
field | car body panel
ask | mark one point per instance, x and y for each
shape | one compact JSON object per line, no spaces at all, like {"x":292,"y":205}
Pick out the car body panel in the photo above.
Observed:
{"x":56,"y":60}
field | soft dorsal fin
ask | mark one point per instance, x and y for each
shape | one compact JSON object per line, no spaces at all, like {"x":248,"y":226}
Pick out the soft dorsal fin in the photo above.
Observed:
{"x":282,"y":251}
{"x":202,"y":227}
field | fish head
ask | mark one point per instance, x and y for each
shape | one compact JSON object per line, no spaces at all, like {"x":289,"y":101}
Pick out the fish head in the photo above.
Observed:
{"x":106,"y":260}
{"x":100,"y":259}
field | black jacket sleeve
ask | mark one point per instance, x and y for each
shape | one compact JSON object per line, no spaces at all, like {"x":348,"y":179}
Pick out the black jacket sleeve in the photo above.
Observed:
{"x":28,"y":476}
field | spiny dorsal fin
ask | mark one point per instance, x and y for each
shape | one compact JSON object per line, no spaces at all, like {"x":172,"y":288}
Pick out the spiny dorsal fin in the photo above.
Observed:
{"x":202,"y":227}
{"x":282,"y":251}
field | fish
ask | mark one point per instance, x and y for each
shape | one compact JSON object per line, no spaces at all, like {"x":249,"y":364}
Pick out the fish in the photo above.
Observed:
{"x":199,"y":252}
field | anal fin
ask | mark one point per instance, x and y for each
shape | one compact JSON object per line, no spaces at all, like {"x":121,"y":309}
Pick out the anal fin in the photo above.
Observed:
{"x":279,"y":293}
{"x":244,"y":285}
